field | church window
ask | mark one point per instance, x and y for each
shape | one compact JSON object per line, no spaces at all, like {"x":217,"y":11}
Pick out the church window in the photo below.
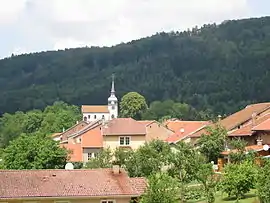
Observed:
{"x":103,"y":116}
{"x":89,"y":116}
{"x":95,"y":116}
{"x":113,"y":107}
{"x":85,"y":118}
{"x":113,"y":116}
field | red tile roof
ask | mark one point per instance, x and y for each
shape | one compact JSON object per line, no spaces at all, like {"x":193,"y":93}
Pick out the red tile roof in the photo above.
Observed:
{"x":124,"y":126}
{"x":263,"y":126}
{"x":183,"y":129}
{"x":66,"y":183}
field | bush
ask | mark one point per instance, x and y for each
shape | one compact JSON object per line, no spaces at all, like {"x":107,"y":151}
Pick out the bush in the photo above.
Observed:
{"x":194,"y":193}
{"x":263,"y":183}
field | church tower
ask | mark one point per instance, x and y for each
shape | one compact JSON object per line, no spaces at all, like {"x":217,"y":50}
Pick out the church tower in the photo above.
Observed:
{"x":113,"y":102}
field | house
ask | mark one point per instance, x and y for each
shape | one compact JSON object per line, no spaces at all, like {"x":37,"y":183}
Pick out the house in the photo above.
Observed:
{"x":88,"y":141}
{"x":184,"y":130}
{"x":107,"y":112}
{"x":70,"y":186}
{"x":242,"y":123}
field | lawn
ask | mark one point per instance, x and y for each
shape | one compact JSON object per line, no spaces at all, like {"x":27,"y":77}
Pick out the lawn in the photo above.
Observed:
{"x":250,"y":198}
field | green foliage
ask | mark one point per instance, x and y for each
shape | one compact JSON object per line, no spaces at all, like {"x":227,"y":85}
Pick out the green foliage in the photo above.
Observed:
{"x":212,"y":143}
{"x":34,"y":151}
{"x":205,"y":175}
{"x":239,"y":179}
{"x":263,"y":183}
{"x":208,"y":67}
{"x":122,"y":156}
{"x":103,"y":160}
{"x":240,"y":154}
{"x":194,"y":193}
{"x":148,"y":159}
{"x":132,"y":105}
{"x":184,"y":163}
{"x":162,"y":189}
{"x":53,"y":119}
{"x":169,"y":109}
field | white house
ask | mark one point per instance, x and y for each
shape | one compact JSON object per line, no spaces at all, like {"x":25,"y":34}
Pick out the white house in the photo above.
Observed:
{"x":106,"y":112}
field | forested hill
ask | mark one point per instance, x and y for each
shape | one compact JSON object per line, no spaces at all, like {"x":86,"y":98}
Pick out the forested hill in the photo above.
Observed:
{"x":219,"y":67}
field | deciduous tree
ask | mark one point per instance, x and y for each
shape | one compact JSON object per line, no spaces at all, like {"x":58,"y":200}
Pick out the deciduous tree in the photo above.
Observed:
{"x":34,"y":151}
{"x":132,"y":105}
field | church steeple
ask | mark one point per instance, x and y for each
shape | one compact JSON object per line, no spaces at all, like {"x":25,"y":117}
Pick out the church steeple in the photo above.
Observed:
{"x":112,"y":102}
{"x":112,"y":90}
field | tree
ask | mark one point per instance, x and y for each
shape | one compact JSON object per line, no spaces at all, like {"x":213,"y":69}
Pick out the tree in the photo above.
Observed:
{"x":238,"y":179}
{"x":122,"y":156}
{"x":263,"y":183}
{"x":132,"y":105}
{"x":206,"y":176}
{"x":34,"y":151}
{"x":103,"y":160}
{"x":184,"y":163}
{"x":148,"y":159}
{"x":162,"y":188}
{"x":59,"y":116}
{"x":211,"y":144}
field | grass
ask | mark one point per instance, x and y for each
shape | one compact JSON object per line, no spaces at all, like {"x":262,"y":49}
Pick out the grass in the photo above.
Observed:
{"x":249,"y":198}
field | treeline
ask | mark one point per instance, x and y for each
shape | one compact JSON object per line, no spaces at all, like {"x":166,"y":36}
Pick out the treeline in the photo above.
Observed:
{"x":216,"y":67}
{"x":55,"y":118}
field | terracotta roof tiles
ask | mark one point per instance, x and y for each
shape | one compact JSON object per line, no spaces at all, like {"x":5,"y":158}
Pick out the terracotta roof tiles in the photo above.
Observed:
{"x":65,"y":183}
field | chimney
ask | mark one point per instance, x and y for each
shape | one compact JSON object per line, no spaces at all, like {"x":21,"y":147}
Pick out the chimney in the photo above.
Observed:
{"x":259,"y":141}
{"x":253,"y":117}
{"x":116,"y":169}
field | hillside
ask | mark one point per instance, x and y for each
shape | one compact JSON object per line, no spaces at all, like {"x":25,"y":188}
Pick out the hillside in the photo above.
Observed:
{"x":219,"y":67}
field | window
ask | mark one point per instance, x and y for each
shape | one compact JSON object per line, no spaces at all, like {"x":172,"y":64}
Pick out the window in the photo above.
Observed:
{"x":113,"y":116}
{"x":95,"y":116}
{"x":107,"y":201}
{"x":103,"y":116}
{"x":85,"y":118}
{"x":89,"y":116}
{"x":113,"y":107}
{"x":124,"y":141}
{"x":91,"y":155}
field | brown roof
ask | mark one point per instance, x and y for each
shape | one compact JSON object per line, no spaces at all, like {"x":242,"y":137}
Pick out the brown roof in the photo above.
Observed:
{"x":140,"y":184}
{"x":243,"y":115}
{"x":94,"y":109}
{"x":263,"y":126}
{"x":124,"y":126}
{"x":65,"y":183}
{"x":73,"y":129}
{"x":248,"y":129}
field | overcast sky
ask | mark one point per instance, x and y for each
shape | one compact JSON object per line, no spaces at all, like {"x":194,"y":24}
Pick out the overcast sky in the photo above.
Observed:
{"x":38,"y":25}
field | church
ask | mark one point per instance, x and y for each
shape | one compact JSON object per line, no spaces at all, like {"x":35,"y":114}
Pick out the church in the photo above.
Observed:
{"x":107,"y":112}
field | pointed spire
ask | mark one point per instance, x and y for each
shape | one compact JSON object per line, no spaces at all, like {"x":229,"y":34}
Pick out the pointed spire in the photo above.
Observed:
{"x":112,"y":90}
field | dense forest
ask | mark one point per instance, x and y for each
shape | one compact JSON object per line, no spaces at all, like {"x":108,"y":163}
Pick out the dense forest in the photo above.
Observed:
{"x":216,"y":67}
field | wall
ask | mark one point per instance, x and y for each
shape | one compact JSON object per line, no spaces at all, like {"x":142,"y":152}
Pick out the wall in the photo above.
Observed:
{"x":98,"y":116}
{"x":89,"y":150}
{"x":92,"y":200}
{"x":112,"y":141}
{"x":157,"y":131}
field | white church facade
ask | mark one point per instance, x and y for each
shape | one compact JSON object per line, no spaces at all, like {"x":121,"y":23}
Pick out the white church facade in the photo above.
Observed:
{"x":107,"y":112}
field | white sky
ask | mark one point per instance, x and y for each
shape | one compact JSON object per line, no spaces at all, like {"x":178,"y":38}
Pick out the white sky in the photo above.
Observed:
{"x":37,"y":25}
